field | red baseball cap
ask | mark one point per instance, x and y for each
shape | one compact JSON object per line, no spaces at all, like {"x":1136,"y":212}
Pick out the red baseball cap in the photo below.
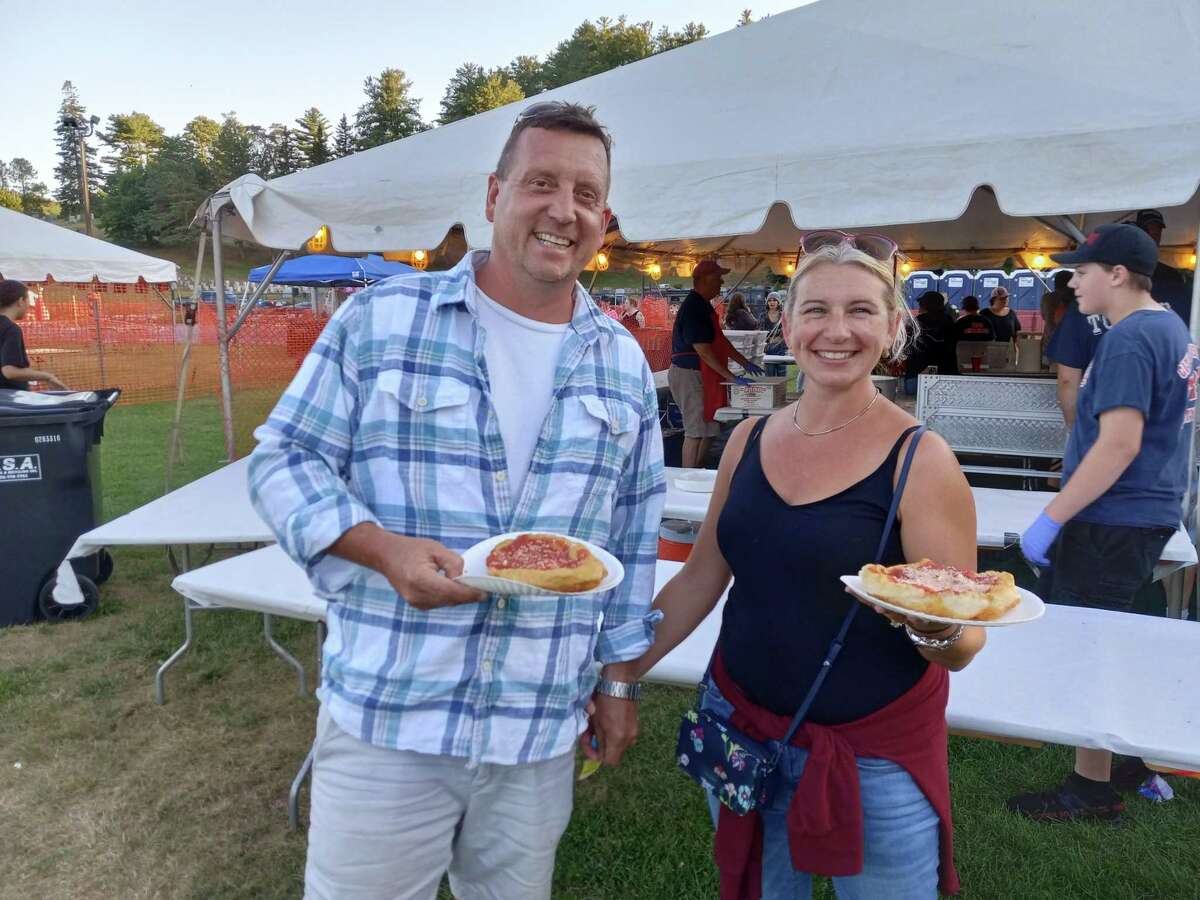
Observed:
{"x":709,"y":267}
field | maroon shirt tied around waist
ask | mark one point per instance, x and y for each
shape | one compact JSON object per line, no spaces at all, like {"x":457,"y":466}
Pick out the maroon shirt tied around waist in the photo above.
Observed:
{"x":824,"y":819}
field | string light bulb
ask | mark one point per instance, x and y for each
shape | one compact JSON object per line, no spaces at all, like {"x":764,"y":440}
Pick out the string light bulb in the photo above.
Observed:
{"x":1039,"y":261}
{"x":1192,"y":260}
{"x":905,"y":267}
{"x":420,"y":259}
{"x":601,"y":261}
{"x":790,"y":268}
{"x":654,"y":270}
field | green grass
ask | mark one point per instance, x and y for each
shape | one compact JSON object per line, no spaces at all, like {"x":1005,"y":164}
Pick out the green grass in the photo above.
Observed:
{"x":119,"y":798}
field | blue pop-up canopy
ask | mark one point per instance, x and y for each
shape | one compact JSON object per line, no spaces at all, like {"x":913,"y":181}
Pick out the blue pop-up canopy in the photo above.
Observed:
{"x":332,"y":271}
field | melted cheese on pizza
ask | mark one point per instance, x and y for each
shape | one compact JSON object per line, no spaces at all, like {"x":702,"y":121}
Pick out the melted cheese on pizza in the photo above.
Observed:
{"x":539,"y":552}
{"x":935,"y":579}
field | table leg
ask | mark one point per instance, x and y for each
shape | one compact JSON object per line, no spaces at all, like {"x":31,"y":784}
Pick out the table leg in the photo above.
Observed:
{"x":282,"y":653}
{"x":293,"y":802}
{"x":160,"y":688}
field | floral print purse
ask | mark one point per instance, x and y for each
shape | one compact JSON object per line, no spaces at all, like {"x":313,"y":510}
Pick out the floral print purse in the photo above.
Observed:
{"x":735,"y":769}
{"x":738,"y":770}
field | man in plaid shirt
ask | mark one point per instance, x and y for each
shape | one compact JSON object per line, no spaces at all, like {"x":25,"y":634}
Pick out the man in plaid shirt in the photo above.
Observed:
{"x":436,"y":410}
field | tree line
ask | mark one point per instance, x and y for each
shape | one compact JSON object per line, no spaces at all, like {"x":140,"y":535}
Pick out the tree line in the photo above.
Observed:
{"x":148,"y":184}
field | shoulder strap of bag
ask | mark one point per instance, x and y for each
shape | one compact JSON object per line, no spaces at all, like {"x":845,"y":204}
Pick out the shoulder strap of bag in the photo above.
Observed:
{"x":836,"y":647}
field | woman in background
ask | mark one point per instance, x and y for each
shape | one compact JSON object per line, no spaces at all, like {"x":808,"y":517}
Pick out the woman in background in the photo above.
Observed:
{"x":738,"y":316}
{"x":631,"y":315}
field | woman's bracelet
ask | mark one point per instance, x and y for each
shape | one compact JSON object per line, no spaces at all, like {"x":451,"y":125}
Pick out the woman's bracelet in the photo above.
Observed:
{"x":932,"y":643}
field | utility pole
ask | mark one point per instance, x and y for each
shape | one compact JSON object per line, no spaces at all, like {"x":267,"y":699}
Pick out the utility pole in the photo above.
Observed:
{"x":83,"y":130}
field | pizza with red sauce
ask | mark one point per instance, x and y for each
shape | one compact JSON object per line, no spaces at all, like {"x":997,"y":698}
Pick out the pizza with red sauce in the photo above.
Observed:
{"x":937,"y":590}
{"x":548,"y":561}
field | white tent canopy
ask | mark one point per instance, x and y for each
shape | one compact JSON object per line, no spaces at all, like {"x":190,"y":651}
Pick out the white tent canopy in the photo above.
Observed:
{"x":842,"y":113}
{"x":31,"y":250}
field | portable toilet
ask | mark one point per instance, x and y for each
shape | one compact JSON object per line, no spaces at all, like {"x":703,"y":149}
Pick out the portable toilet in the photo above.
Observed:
{"x":956,"y":284}
{"x":986,"y":281}
{"x":1025,"y":289}
{"x":916,"y":284}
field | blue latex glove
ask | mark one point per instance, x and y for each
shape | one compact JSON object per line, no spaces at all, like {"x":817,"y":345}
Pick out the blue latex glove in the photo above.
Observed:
{"x":741,"y":379}
{"x":1036,"y":541}
{"x":753,"y":369}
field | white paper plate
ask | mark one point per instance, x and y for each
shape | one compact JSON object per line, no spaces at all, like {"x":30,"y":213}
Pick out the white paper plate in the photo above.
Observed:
{"x":475,"y":572}
{"x":701,"y":481}
{"x":1030,"y":608}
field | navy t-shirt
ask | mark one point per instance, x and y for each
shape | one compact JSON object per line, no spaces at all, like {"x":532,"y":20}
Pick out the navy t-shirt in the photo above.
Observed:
{"x":1005,"y":327}
{"x":1075,"y":340}
{"x":1146,"y":362}
{"x":12,"y":353}
{"x":693,"y":325}
{"x":1171,"y":288}
{"x":973,"y":327}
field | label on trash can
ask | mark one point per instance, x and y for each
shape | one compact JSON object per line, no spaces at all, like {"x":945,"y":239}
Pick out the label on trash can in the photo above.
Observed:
{"x":21,"y":467}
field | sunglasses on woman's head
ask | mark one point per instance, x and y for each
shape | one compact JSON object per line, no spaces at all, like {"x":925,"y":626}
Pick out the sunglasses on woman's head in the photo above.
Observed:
{"x":876,"y":246}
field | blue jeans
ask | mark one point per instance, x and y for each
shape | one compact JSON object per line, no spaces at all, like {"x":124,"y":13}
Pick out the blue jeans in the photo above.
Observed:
{"x":900,"y":831}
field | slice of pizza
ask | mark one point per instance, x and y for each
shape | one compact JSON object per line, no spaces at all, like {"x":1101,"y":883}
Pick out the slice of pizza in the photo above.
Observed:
{"x":548,"y":561}
{"x":947,"y":591}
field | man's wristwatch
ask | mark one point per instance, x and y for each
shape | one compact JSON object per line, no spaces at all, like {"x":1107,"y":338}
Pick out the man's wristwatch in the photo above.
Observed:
{"x":622,"y":690}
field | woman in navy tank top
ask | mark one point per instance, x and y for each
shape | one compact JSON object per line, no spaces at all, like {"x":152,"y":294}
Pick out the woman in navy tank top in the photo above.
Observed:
{"x":801,"y":498}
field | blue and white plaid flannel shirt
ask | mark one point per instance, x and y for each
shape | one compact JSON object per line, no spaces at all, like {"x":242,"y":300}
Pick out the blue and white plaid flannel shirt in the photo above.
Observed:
{"x":389,"y":421}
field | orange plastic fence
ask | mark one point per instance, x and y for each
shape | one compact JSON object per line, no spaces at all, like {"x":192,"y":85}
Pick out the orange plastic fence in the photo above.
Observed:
{"x":94,"y":335}
{"x":126,"y":336}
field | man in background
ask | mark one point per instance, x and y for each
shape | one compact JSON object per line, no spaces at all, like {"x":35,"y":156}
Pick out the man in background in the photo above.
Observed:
{"x":971,"y":326}
{"x":1167,"y":284}
{"x":692,"y":341}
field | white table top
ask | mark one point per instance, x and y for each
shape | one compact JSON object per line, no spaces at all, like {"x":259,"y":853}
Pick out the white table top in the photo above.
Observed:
{"x":1077,"y":676}
{"x":1000,"y":515}
{"x":264,"y":580}
{"x":1080,"y":677}
{"x":214,"y":509}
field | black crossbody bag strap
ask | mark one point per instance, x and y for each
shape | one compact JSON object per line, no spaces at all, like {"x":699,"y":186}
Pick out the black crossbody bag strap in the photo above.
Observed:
{"x":836,"y":647}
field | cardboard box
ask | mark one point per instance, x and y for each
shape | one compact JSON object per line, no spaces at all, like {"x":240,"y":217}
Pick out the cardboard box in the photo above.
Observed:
{"x":761,"y":394}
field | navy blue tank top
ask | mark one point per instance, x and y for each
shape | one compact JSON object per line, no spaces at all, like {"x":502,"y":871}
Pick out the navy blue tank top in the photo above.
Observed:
{"x":787,"y":604}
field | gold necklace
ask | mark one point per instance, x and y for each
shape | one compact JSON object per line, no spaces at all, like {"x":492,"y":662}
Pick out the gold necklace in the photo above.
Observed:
{"x":861,"y":413}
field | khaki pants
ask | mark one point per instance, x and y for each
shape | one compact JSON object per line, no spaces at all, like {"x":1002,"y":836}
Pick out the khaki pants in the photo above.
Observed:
{"x":387,"y":824}
{"x":687,"y":390}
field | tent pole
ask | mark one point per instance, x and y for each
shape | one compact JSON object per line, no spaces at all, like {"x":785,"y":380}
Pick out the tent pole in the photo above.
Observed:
{"x":222,"y":337}
{"x":1193,"y":512}
{"x":174,"y":447}
{"x":94,"y":300}
{"x":1063,"y":226}
{"x":258,"y":292}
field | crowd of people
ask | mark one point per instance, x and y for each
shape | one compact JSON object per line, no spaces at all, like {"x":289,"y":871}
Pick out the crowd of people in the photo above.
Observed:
{"x":449,"y":717}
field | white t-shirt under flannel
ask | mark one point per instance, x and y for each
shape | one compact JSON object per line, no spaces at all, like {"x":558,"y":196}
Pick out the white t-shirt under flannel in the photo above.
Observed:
{"x":522,"y":356}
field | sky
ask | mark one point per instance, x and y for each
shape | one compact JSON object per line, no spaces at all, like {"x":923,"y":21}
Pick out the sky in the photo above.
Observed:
{"x":269,"y":61}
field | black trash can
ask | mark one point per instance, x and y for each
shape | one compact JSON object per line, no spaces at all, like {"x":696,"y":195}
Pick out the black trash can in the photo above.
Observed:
{"x":49,"y":495}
